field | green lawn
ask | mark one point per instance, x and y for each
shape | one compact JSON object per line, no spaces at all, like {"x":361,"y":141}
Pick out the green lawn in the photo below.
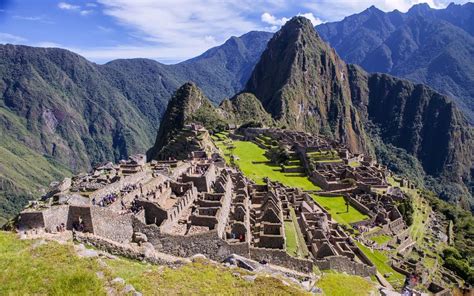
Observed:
{"x":198,"y":278}
{"x":336,"y":206}
{"x":382,"y":264}
{"x":303,"y":249}
{"x":338,"y":284}
{"x":30,"y":268}
{"x":255,"y":165}
{"x":291,"y":239}
{"x":381,"y":239}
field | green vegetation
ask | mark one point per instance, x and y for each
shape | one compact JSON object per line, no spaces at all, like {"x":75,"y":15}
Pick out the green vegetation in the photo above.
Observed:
{"x":49,"y":268}
{"x":199,"y":278}
{"x":337,"y":207}
{"x":295,"y":243}
{"x":291,"y":239}
{"x":460,"y":256}
{"x":381,"y":263}
{"x":22,"y":173}
{"x":381,"y":239}
{"x":28,"y":267}
{"x":324,"y":156}
{"x":254,"y":164}
{"x":419,"y":210}
{"x":338,"y":284}
{"x":303,"y":249}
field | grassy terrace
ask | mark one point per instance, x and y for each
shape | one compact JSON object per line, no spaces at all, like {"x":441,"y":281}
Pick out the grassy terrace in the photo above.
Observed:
{"x":336,"y":206}
{"x":338,"y":284}
{"x":255,"y":165}
{"x":381,"y":239}
{"x":295,"y":243}
{"x":324,"y":156}
{"x":381,"y":262}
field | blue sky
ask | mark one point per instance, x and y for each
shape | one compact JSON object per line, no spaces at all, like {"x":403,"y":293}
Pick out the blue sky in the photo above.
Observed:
{"x":166,"y":30}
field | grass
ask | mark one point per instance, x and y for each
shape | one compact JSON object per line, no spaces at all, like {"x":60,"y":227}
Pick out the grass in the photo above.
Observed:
{"x":303,"y":249}
{"x":291,"y":239}
{"x":49,"y":269}
{"x":199,"y":278}
{"x":255,"y":165}
{"x":336,"y":206}
{"x":381,"y":263}
{"x":30,"y":268}
{"x":421,"y":211}
{"x":338,"y":284}
{"x":381,"y":239}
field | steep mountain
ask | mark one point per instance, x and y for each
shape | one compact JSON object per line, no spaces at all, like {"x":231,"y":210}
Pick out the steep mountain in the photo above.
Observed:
{"x":61,"y":113}
{"x":188,"y":106}
{"x":430,"y":46}
{"x":303,"y":83}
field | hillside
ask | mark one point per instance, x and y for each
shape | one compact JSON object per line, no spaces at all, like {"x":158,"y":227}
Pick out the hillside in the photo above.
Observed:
{"x":71,"y":114}
{"x":303,"y":84}
{"x":425,"y":45}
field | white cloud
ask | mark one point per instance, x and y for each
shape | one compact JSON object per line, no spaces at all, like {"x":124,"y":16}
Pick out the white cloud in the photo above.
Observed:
{"x":276,"y":23}
{"x":182,"y":26}
{"x":77,"y":8}
{"x":272,"y":20}
{"x":309,"y":15}
{"x":10,"y":38}
{"x":68,"y":6}
{"x":86,"y":12}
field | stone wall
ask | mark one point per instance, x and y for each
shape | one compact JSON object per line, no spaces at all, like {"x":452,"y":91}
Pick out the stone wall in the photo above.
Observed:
{"x":112,"y":225}
{"x":153,"y":213}
{"x":55,"y":216}
{"x":115,"y":187}
{"x":281,"y":258}
{"x":123,"y":250}
{"x":344,"y":264}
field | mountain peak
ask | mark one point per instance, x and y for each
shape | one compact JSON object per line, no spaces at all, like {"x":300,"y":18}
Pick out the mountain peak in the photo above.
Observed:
{"x":188,"y":105}
{"x":420,"y":8}
{"x":302,"y":83}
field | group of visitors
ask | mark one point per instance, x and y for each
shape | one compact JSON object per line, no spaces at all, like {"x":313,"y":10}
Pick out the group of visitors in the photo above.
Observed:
{"x":106,"y":200}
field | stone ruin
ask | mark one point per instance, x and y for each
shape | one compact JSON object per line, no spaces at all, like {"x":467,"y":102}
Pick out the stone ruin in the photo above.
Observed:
{"x":200,"y":205}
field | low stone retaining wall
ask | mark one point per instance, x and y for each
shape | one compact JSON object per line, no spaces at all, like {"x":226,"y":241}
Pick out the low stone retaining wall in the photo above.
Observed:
{"x":123,"y":250}
{"x":344,"y":264}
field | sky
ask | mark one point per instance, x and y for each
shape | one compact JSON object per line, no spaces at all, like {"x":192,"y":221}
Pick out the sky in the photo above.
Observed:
{"x":165,"y":30}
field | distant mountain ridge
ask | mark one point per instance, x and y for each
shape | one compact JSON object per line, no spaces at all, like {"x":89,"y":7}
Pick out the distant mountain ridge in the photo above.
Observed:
{"x":425,"y":45}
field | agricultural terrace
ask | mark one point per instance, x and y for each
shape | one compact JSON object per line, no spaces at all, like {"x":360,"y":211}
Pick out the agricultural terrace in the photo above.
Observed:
{"x":336,"y":206}
{"x":251,"y":160}
{"x":382,"y":264}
